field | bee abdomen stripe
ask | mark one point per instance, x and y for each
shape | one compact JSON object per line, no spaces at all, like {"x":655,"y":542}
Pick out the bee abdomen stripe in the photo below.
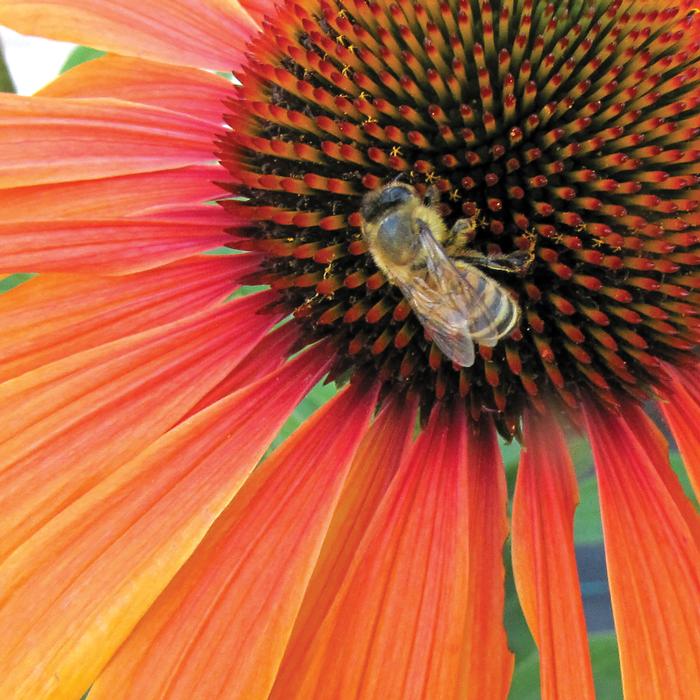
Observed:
{"x":499,"y":317}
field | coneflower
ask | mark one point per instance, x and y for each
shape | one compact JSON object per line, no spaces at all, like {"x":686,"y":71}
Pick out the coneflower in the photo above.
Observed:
{"x":574,"y":125}
{"x":147,"y":551}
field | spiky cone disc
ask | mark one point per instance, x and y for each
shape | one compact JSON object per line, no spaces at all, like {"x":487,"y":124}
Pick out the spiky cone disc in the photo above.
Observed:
{"x":575,"y":124}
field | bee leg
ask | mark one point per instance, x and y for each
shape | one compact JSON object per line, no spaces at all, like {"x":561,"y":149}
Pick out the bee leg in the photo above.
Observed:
{"x":460,"y":237}
{"x":518,"y":262}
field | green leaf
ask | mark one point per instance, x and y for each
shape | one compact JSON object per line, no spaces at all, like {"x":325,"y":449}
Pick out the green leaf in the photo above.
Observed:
{"x":245,"y":290}
{"x":316,"y":398}
{"x":682,"y":474}
{"x":6,"y":82}
{"x":587,"y":525}
{"x":604,"y":660}
{"x":79,"y":55}
{"x":520,"y":639}
{"x":526,"y":678}
{"x":606,"y":666}
{"x":13,"y":281}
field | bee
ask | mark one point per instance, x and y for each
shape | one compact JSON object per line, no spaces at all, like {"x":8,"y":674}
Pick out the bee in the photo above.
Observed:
{"x":454,"y":301}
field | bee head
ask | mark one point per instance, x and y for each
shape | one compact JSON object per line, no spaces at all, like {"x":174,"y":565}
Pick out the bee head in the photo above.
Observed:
{"x":379,"y":202}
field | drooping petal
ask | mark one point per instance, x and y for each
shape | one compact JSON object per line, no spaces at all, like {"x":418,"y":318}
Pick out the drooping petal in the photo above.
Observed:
{"x":655,"y":445}
{"x":111,"y":197}
{"x":52,"y":316}
{"x":544,"y":563}
{"x":107,"y":247}
{"x":486,"y":674}
{"x":681,"y":409}
{"x":400,"y":624}
{"x":185,"y":90}
{"x":240,"y":592}
{"x":653,"y":565}
{"x":373,"y":469}
{"x":72,"y":593}
{"x":46,"y":140}
{"x":77,"y":422}
{"x":203,"y":33}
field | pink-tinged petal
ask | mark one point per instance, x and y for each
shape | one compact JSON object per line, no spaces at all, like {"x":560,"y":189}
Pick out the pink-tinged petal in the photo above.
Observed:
{"x":113,"y":197}
{"x":257,"y":9}
{"x":267,"y":356}
{"x":681,"y":409}
{"x":240,"y":592}
{"x":86,"y":414}
{"x":47,"y":140}
{"x":373,"y":469}
{"x":400,"y":624}
{"x":72,"y":593}
{"x":53,"y":316}
{"x":204,"y":33}
{"x":176,"y":88}
{"x":544,"y":563}
{"x":488,"y":663}
{"x":653,"y":565}
{"x":107,"y":247}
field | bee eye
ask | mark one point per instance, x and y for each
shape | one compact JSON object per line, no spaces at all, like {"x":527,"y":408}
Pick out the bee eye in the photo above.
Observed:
{"x":396,"y":238}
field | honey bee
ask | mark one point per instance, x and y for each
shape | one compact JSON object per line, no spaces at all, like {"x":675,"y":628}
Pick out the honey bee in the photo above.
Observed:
{"x":454,"y":301}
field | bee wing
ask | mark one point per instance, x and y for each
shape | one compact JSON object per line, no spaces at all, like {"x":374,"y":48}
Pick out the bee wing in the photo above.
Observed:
{"x":458,"y":307}
{"x":448,"y":326}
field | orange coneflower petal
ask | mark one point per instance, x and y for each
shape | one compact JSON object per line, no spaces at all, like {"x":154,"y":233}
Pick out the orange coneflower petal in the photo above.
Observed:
{"x":373,"y":469}
{"x":110,"y":197}
{"x":488,"y":529}
{"x":251,"y":569}
{"x":180,"y":89}
{"x":106,"y":247}
{"x":47,"y":140}
{"x":267,"y":356}
{"x":400,"y":626}
{"x":653,"y":564}
{"x":83,"y":407}
{"x":203,"y":33}
{"x":257,"y":9}
{"x":544,"y":564}
{"x":655,"y":445}
{"x":52,"y":316}
{"x":681,"y":409}
{"x":76,"y":588}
